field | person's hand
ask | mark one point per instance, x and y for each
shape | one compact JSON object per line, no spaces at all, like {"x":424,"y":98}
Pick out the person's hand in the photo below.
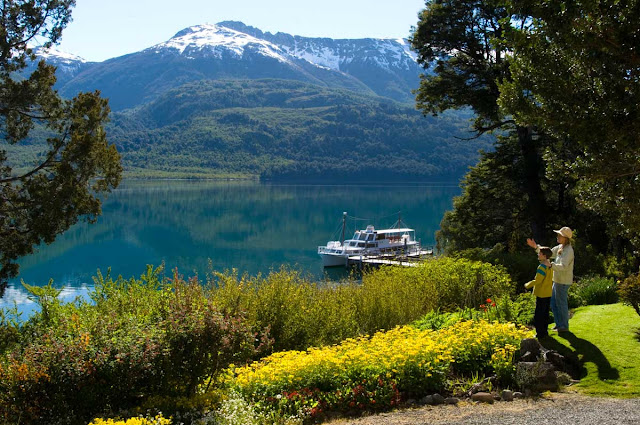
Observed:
{"x":532,"y":243}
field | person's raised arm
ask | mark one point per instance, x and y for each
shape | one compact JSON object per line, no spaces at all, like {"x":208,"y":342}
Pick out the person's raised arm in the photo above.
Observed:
{"x":532,"y":243}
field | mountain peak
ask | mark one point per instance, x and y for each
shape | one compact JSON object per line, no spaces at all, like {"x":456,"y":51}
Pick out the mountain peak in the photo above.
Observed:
{"x":215,"y":38}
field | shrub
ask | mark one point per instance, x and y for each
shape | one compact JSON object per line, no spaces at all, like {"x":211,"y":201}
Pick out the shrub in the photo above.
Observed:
{"x":502,"y":361}
{"x":519,"y":311}
{"x":297,"y":312}
{"x":300,"y":313}
{"x":597,"y":290}
{"x":629,"y":291}
{"x":393,"y":296}
{"x":142,"y":338}
{"x":520,"y":266}
{"x":504,"y":310}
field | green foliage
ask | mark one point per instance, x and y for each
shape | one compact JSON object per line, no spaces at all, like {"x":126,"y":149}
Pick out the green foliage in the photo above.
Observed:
{"x":593,"y":290}
{"x":9,"y":329}
{"x":554,"y":166}
{"x":74,"y":162}
{"x":454,"y":37}
{"x":521,"y":266}
{"x":278,"y":129}
{"x":574,"y":79}
{"x":47,"y":298}
{"x":629,"y":291}
{"x":142,"y":338}
{"x":300,"y":314}
{"x":505,"y":310}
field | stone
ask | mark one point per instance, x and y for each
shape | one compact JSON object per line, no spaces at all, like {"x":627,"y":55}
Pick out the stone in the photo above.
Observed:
{"x":411,"y":402}
{"x":437,"y":399}
{"x":451,"y":400}
{"x":537,"y":376}
{"x":507,"y":395}
{"x":427,"y":400}
{"x":556,"y":359}
{"x":530,"y":350}
{"x":518,"y":394}
{"x":483,"y":397}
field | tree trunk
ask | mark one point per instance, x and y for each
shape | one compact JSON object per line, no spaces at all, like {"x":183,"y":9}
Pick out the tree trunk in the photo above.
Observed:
{"x":536,"y":202}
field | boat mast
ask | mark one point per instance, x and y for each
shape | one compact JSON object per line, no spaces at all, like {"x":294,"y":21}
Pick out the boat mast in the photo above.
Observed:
{"x":344,"y":224}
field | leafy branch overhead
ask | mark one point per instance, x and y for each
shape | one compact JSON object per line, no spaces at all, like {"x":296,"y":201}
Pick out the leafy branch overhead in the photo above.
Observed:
{"x":565,"y":79}
{"x":59,"y":187}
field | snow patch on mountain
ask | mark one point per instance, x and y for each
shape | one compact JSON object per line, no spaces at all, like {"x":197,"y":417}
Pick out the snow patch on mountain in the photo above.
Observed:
{"x":54,"y":55}
{"x":335,"y":54}
{"x":216,"y":39}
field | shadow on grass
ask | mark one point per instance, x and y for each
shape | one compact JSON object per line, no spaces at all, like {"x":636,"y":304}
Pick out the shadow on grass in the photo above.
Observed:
{"x":580,"y":352}
{"x":638,"y":334}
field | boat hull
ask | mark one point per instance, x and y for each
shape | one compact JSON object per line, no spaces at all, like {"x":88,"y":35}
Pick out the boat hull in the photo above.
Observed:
{"x":334,"y":260}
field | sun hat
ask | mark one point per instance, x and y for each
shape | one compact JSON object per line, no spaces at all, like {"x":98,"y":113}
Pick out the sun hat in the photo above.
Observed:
{"x":565,"y":231}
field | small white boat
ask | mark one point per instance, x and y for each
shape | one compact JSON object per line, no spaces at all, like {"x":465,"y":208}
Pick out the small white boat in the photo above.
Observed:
{"x":370,"y":242}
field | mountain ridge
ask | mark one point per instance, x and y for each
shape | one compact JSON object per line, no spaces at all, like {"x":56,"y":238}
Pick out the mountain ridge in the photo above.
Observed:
{"x":231,"y":49}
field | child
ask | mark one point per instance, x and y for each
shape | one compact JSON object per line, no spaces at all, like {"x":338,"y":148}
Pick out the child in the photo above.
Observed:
{"x":542,"y":286}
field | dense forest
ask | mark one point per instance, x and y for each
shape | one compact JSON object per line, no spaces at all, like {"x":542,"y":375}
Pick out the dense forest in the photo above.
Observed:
{"x":279,"y":129}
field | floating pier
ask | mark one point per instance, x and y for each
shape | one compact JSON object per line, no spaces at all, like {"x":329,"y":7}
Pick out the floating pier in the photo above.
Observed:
{"x":411,"y":260}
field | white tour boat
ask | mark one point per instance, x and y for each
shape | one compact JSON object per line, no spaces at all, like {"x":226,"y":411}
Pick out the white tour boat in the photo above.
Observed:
{"x":370,"y":242}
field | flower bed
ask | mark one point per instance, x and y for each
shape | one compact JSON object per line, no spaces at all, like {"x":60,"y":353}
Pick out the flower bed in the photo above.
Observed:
{"x":375,"y":372}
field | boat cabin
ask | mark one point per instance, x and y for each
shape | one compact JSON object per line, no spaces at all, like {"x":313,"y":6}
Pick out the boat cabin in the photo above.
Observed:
{"x":370,"y":238}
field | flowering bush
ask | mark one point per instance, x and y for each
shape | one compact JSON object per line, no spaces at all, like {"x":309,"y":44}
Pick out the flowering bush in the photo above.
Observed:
{"x":374,"y":372}
{"x":502,"y":361}
{"x":157,"y":420}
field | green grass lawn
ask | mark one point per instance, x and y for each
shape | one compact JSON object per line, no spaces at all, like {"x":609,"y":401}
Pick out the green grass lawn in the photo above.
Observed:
{"x":605,"y":340}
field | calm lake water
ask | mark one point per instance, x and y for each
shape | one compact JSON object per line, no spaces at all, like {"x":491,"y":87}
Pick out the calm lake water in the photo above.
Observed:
{"x":252,"y":227}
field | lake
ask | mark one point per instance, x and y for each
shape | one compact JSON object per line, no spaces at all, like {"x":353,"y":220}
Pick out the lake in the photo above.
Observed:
{"x":250,"y":226}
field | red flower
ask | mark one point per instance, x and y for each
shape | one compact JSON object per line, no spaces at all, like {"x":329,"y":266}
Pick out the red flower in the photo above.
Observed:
{"x":489,"y":301}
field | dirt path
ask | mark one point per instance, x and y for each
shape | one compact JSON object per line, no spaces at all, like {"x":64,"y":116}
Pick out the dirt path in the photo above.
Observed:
{"x":557,"y":409}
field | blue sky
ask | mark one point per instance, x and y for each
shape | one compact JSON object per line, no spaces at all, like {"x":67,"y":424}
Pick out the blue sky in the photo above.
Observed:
{"x":103,"y":29}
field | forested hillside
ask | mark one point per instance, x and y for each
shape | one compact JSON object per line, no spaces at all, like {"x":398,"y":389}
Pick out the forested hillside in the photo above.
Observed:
{"x":287,"y":129}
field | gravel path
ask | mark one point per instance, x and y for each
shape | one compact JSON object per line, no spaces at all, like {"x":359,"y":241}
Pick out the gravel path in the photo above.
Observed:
{"x":557,"y":409}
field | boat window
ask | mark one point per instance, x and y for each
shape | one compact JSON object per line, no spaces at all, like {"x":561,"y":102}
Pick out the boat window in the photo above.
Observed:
{"x":352,"y":244}
{"x":361,"y":244}
{"x":370,"y":237}
{"x":381,"y":236}
{"x":362,"y":237}
{"x":356,"y":235}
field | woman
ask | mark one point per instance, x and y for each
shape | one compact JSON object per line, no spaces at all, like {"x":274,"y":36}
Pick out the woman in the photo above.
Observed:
{"x":562,"y":267}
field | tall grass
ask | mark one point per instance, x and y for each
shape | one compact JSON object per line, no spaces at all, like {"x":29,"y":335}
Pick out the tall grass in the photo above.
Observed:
{"x":301,"y":313}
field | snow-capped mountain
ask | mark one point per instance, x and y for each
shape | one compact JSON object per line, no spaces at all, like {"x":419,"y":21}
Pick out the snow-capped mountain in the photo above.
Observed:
{"x":68,"y":65}
{"x":214,"y":40}
{"x":386,"y":67}
{"x":390,"y":54}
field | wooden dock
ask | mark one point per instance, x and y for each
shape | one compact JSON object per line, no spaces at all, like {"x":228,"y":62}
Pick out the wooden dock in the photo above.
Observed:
{"x":389,"y":260}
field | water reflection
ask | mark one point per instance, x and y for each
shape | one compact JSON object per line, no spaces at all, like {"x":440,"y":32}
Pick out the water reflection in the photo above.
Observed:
{"x":249,"y":226}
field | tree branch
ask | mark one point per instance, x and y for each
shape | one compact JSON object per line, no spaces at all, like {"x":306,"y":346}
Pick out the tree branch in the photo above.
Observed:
{"x":482,"y":130}
{"x":44,"y":164}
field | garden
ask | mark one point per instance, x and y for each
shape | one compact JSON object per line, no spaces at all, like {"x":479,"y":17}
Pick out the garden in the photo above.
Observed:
{"x":277,"y":349}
